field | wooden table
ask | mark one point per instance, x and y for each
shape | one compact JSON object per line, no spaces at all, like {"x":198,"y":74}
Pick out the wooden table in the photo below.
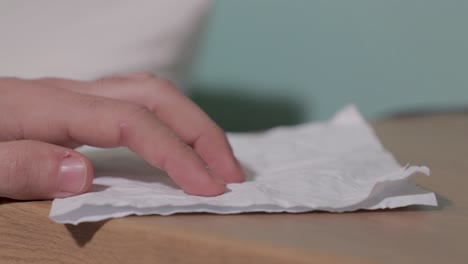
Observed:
{"x":411,"y":235}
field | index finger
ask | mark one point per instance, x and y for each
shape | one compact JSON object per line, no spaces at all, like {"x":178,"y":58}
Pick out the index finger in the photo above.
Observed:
{"x":176,"y":111}
{"x":105,"y":122}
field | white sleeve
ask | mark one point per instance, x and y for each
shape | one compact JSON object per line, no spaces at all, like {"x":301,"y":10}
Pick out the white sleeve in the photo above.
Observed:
{"x":88,"y":39}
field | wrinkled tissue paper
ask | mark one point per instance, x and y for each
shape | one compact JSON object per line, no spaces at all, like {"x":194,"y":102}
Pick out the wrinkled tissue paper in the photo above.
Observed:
{"x":335,"y":166}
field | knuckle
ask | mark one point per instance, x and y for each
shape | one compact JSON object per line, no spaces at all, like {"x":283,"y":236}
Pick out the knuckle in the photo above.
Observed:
{"x":157,"y":85}
{"x":165,"y":86}
{"x":155,"y":90}
{"x":132,"y":77}
{"x":136,"y":111}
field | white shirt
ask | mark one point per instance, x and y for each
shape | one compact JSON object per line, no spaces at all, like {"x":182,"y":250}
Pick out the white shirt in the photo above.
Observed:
{"x":88,"y":39}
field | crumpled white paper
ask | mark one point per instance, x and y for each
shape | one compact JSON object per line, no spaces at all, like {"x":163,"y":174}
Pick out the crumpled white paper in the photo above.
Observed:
{"x":336,"y":166}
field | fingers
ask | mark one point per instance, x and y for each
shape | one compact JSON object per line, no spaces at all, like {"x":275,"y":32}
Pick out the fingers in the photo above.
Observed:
{"x":176,"y":111}
{"x":194,"y":126}
{"x":106,"y":122}
{"x":36,"y":170}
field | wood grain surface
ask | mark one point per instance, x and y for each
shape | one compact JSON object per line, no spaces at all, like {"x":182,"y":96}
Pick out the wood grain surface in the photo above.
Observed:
{"x":415,"y":234}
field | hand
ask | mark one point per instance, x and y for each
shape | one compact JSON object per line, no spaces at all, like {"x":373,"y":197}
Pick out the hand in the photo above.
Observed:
{"x":42,"y":120}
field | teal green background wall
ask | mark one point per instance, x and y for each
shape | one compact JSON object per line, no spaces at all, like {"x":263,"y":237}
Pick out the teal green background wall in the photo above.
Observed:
{"x":270,"y":62}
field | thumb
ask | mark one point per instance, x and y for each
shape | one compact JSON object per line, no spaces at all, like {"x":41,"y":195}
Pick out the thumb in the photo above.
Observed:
{"x":37,"y":170}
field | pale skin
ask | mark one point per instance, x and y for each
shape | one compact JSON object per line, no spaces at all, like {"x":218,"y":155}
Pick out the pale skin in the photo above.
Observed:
{"x":42,"y":120}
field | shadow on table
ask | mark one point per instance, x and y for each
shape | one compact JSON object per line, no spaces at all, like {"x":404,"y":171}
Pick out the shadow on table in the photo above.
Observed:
{"x":418,"y":112}
{"x":84,"y":232}
{"x":236,"y":109}
{"x":6,"y":201}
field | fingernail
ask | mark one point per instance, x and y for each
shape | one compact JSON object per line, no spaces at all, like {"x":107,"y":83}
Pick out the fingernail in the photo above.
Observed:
{"x":72,"y":175}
